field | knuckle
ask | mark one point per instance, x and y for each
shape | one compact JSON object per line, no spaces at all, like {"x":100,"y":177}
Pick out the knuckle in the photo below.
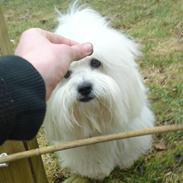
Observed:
{"x":31,"y":31}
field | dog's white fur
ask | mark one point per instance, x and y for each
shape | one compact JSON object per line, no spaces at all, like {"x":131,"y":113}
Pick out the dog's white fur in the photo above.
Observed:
{"x":120,"y":102}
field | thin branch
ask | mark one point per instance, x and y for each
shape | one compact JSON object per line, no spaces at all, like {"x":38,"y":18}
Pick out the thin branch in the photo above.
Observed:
{"x":89,"y":141}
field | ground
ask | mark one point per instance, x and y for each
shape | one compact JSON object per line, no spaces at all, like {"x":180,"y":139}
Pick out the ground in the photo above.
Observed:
{"x":158,"y":26}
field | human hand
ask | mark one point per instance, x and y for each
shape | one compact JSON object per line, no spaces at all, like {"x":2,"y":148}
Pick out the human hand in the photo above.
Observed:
{"x":50,"y":54}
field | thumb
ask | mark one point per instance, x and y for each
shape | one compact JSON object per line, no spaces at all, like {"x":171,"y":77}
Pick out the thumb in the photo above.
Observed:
{"x":80,"y":51}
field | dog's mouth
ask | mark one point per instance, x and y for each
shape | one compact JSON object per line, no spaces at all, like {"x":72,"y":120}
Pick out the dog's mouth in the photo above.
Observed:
{"x":86,"y":98}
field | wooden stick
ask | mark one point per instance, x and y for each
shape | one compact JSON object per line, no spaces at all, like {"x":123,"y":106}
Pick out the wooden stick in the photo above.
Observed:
{"x":89,"y":141}
{"x":5,"y":45}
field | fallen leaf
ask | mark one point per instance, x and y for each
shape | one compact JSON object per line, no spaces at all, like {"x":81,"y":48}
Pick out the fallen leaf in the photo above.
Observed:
{"x":160,"y":146}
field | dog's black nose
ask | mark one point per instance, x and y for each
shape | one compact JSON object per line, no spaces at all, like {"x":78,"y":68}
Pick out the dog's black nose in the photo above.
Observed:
{"x":85,"y":88}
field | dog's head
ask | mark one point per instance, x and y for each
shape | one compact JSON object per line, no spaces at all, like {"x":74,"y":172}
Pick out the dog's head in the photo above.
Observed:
{"x":103,"y":87}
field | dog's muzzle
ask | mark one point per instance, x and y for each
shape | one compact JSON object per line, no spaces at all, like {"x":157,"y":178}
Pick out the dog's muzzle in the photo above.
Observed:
{"x":85,"y":92}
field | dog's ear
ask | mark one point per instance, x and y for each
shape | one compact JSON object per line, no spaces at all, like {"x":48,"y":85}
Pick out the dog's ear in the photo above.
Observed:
{"x":119,"y":55}
{"x":50,"y":127}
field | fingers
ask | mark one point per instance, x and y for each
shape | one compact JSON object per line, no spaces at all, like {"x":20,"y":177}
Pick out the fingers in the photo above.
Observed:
{"x":77,"y":50}
{"x":80,"y":51}
{"x":53,"y":38}
{"x":56,"y":39}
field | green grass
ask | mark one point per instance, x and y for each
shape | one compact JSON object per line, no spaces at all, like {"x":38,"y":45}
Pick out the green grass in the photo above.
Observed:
{"x":158,"y":26}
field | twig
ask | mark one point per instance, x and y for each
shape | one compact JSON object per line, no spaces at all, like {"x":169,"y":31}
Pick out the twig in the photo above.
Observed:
{"x":89,"y":141}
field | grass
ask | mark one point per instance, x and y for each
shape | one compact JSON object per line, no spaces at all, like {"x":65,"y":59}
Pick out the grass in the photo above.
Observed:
{"x":158,"y":26}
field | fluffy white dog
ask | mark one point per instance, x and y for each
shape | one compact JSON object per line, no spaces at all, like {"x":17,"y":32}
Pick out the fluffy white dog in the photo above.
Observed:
{"x":101,"y":94}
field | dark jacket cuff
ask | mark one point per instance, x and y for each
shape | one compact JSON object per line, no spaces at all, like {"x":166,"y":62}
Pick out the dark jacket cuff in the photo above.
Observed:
{"x":22,"y":99}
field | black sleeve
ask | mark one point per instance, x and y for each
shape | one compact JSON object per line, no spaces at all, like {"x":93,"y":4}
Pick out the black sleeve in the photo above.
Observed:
{"x":22,"y":99}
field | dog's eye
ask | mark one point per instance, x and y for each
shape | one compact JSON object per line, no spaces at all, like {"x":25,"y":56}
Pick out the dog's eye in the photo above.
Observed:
{"x":68,"y":74}
{"x":95,"y":63}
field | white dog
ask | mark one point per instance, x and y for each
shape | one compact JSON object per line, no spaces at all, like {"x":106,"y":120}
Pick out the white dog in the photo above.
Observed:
{"x":101,"y":94}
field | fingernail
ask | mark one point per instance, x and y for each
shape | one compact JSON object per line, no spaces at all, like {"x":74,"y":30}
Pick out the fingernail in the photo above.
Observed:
{"x":88,"y":48}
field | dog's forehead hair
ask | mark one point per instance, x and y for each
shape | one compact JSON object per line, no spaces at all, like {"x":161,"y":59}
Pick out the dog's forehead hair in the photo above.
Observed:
{"x":81,"y":63}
